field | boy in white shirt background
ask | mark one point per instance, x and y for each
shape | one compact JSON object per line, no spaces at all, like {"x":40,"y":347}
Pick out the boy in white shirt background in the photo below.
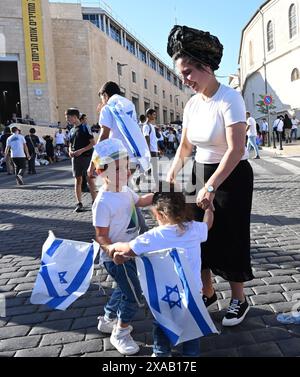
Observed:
{"x":115,"y":219}
{"x":251,"y":133}
{"x":16,"y":143}
{"x":176,"y":230}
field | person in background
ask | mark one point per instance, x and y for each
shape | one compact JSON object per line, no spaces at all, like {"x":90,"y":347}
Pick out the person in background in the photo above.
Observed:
{"x":59,"y":141}
{"x":84,"y":186}
{"x":16,"y":144}
{"x":142,"y":121}
{"x":150,"y":136}
{"x":278,"y":129}
{"x":287,"y":126}
{"x":49,"y":148}
{"x":252,"y":133}
{"x":80,"y":150}
{"x":264,"y":130}
{"x":295,"y":123}
{"x":32,"y":142}
{"x":8,"y":161}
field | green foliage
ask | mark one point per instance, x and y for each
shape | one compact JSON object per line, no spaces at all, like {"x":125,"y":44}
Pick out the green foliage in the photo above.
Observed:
{"x":262,"y":108}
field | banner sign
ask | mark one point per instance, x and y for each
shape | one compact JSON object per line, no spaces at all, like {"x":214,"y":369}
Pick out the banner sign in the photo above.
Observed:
{"x":34,"y":43}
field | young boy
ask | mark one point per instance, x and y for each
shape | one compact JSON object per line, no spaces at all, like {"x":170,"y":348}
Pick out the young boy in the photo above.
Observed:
{"x":115,"y":219}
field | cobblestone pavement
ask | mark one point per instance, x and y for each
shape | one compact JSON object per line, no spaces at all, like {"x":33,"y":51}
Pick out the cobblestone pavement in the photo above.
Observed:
{"x":46,"y":202}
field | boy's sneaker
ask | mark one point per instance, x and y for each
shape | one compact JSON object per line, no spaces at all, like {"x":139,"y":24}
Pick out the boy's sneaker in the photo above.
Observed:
{"x":79,"y":207}
{"x":105,"y":325}
{"x":123,"y":342}
{"x":236,"y":312}
{"x":19,"y":179}
{"x":210,"y":300}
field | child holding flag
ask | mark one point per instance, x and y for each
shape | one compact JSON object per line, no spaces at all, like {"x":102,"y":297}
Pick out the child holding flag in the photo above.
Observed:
{"x":176,"y":230}
{"x":115,"y":219}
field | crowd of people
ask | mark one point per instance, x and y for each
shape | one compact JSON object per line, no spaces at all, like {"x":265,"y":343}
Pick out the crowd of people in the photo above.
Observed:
{"x":16,"y":149}
{"x":284,"y":128}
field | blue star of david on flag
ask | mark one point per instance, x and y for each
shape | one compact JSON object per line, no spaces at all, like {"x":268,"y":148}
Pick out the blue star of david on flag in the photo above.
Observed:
{"x":167,"y":297}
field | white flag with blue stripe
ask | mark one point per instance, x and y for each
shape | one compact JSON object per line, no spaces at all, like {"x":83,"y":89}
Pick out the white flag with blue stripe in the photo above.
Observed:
{"x":130,"y":130}
{"x":170,"y":290}
{"x":66,"y":270}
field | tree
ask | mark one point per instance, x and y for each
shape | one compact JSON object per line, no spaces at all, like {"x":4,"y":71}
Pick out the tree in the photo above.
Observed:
{"x":262,"y":108}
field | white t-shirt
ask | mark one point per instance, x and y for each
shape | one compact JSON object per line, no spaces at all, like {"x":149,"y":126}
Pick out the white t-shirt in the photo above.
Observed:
{"x":206,"y":122}
{"x":59,"y":138}
{"x":252,"y":129}
{"x":179,"y":136}
{"x":169,"y":236}
{"x":295,"y":123}
{"x":152,"y":134}
{"x":16,"y":143}
{"x":117,"y":211}
{"x":107,"y":119}
{"x":264,"y":127}
{"x":279,"y":124}
{"x":171,"y":138}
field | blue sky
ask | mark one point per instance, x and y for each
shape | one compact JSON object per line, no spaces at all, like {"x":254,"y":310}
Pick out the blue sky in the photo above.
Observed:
{"x":152,"y":20}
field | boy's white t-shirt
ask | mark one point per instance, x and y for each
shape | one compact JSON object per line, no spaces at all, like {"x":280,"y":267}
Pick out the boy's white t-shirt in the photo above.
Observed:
{"x":16,"y":143}
{"x":170,"y":236}
{"x":149,"y":130}
{"x":252,"y":127}
{"x":117,"y":211}
{"x":206,"y":122}
{"x":59,"y":138}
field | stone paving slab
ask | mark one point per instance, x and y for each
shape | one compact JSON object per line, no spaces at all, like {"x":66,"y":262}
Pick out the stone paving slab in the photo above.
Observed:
{"x":47,"y":202}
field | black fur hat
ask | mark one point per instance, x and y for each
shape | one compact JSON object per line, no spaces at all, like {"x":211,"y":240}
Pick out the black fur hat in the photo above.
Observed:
{"x":198,"y":44}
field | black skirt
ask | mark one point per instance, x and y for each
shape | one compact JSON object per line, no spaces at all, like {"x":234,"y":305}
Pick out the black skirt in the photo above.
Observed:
{"x":227,"y":249}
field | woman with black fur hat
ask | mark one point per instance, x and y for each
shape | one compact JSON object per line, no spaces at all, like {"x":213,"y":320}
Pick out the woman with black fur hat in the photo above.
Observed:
{"x":215,"y":122}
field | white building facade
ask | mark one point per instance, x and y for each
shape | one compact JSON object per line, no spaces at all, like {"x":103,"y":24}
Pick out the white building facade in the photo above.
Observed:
{"x":269,"y":58}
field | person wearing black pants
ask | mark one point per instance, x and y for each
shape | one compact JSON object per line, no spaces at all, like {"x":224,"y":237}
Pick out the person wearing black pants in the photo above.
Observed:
{"x":32,"y":142}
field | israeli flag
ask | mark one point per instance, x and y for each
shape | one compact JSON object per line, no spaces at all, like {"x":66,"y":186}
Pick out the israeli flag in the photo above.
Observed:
{"x":170,"y":290}
{"x":66,"y":270}
{"x":130,"y":130}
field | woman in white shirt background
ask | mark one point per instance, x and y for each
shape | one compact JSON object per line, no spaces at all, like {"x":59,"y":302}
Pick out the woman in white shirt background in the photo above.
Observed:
{"x":215,"y":122}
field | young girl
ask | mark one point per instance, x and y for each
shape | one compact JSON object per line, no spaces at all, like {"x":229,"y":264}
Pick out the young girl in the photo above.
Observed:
{"x":176,"y":229}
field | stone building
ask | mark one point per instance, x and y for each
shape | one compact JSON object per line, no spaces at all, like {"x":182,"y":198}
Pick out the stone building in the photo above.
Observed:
{"x":269,"y":58}
{"x":57,"y":55}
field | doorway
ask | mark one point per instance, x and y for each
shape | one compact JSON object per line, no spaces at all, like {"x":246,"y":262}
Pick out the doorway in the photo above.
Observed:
{"x":9,"y":91}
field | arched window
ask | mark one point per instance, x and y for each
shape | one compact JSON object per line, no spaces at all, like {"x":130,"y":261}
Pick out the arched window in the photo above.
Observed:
{"x":295,"y":74}
{"x":251,"y":62}
{"x":270,"y":36}
{"x":292,"y":21}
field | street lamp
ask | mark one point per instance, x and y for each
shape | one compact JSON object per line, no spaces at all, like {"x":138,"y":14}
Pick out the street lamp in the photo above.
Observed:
{"x":119,"y":69}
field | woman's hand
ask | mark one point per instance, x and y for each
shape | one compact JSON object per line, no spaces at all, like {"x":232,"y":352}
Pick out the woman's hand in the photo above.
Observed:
{"x":205,"y":199}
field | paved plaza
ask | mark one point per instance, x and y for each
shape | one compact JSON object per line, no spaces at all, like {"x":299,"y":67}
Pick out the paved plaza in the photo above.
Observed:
{"x":46,"y":203}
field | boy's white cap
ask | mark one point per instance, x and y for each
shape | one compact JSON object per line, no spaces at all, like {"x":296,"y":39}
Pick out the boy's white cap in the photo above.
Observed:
{"x":109,"y":150}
